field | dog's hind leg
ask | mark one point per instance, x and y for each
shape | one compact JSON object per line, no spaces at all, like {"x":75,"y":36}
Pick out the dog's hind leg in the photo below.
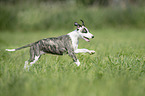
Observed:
{"x":31,"y":63}
{"x":36,"y":59}
{"x":32,"y":54}
{"x":35,"y":54}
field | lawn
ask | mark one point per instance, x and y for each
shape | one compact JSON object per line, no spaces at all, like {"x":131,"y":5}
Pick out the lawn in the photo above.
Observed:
{"x":116,"y":69}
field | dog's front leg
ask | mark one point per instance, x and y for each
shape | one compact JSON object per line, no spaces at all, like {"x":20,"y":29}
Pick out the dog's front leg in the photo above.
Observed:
{"x":84,"y":51}
{"x":72,"y":54}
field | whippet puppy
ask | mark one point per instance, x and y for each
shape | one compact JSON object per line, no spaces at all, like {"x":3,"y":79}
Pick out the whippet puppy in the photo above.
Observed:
{"x":59,"y":45}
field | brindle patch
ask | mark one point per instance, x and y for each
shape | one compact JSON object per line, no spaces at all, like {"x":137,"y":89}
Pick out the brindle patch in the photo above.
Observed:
{"x":57,"y":45}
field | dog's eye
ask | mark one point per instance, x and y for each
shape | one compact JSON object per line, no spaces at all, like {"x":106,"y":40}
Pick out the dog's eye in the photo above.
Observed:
{"x":84,"y":31}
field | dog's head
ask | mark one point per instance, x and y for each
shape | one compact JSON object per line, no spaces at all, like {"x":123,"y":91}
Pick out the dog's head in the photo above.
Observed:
{"x":83,"y":31}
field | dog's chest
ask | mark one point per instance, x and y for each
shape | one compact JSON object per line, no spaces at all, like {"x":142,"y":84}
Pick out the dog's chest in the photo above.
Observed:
{"x":75,"y":43}
{"x":74,"y":39}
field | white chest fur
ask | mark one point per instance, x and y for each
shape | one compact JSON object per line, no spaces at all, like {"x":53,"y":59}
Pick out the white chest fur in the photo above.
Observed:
{"x":75,"y":39}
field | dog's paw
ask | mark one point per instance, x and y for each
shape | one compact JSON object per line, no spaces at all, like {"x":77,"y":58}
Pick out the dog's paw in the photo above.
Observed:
{"x":78,"y":63}
{"x":26,"y":66}
{"x":91,"y":52}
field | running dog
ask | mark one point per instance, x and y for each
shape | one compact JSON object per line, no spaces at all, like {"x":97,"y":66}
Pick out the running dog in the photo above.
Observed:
{"x":59,"y":45}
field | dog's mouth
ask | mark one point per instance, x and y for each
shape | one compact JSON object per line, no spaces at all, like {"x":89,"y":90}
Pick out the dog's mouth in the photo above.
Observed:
{"x":87,"y":39}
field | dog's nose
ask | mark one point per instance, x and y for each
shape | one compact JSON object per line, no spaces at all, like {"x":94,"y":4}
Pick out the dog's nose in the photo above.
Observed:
{"x":92,"y":36}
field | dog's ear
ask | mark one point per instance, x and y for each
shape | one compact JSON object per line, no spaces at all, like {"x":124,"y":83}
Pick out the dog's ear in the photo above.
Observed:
{"x":78,"y":25}
{"x":82,"y":23}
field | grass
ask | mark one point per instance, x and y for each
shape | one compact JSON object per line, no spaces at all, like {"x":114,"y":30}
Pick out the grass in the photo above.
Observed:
{"x":117,"y":68}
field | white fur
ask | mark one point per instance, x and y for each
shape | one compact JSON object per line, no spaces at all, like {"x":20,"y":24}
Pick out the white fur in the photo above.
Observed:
{"x":78,"y":62}
{"x":36,"y":59}
{"x":75,"y":39}
{"x":88,"y":34}
{"x":84,"y":51}
{"x":75,"y":35}
{"x":26,"y":66}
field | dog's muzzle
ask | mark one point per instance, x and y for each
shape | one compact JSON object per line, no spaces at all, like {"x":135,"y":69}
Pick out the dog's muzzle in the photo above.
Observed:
{"x":87,"y":39}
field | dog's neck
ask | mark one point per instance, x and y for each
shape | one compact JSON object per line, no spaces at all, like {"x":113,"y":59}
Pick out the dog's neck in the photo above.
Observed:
{"x":75,"y":38}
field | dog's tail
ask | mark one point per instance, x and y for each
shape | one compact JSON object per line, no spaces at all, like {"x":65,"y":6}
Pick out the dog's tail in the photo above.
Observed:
{"x":29,"y":45}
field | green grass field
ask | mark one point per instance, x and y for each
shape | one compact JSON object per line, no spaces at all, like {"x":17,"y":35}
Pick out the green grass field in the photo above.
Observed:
{"x":116,"y":69}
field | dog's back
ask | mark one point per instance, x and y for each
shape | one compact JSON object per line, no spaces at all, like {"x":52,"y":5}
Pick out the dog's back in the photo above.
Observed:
{"x":55,"y":45}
